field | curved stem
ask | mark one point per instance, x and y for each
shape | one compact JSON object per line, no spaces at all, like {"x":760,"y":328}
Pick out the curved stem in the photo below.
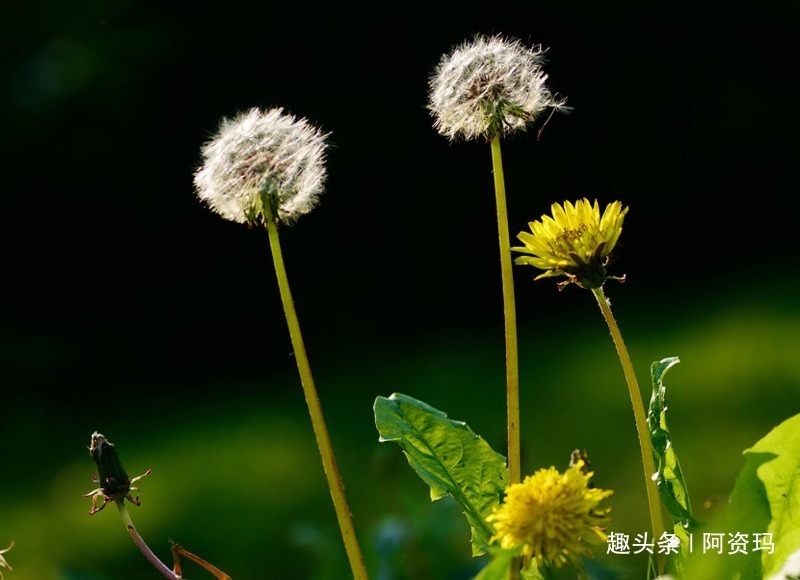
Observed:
{"x":510,"y":319}
{"x":315,"y":410}
{"x":645,"y":444}
{"x":140,"y":543}
{"x":510,"y":315}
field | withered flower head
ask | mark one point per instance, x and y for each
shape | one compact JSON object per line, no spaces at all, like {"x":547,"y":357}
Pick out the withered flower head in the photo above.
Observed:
{"x":115,"y":485}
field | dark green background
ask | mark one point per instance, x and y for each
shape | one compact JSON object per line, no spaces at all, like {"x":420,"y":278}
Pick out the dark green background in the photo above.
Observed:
{"x":131,"y":309}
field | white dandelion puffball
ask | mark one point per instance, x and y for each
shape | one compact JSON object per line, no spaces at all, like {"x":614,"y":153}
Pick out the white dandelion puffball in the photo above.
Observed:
{"x":262,"y":157}
{"x":487,"y":87}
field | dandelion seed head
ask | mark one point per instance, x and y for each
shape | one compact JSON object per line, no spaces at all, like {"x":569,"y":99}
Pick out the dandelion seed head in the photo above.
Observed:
{"x":262,"y":157}
{"x":552,"y":516}
{"x":489,"y":86}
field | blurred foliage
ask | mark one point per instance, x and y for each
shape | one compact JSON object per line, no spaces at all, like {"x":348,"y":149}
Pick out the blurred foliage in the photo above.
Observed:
{"x":236,"y":477}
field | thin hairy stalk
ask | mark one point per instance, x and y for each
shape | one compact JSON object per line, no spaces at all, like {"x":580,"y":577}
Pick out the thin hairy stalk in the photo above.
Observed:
{"x":140,"y":543}
{"x":315,"y":410}
{"x":645,"y":444}
{"x":510,"y":318}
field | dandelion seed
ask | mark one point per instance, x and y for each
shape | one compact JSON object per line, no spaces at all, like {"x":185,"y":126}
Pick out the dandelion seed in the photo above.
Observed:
{"x":574,"y":242}
{"x":552,"y":516}
{"x":262,"y":164}
{"x":488,"y":87}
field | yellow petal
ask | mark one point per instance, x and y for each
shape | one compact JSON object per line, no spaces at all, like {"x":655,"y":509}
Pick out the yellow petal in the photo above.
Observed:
{"x":560,"y":216}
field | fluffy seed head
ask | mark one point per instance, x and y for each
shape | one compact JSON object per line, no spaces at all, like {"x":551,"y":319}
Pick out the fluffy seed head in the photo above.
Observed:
{"x":574,"y":242}
{"x":261,"y":164}
{"x":487,"y":87}
{"x":552,"y":516}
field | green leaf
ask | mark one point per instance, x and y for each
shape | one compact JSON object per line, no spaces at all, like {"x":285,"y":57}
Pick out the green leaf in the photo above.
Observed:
{"x":498,"y":566}
{"x":532,"y":572}
{"x":790,"y":568}
{"x":500,"y":563}
{"x":669,"y":478}
{"x":766,"y":498}
{"x":449,"y":457}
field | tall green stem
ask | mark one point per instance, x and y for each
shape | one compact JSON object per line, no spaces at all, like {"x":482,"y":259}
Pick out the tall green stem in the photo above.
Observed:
{"x":645,"y":444}
{"x":315,"y":410}
{"x":510,"y":317}
{"x":510,"y":313}
{"x":143,"y":547}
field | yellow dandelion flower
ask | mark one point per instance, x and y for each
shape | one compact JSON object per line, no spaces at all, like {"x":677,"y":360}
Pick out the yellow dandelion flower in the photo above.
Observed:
{"x":552,"y":516}
{"x":574,"y":242}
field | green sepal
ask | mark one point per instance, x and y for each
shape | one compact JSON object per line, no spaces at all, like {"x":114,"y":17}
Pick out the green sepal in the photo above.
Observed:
{"x":500,"y":564}
{"x":449,"y":457}
{"x":533,"y":572}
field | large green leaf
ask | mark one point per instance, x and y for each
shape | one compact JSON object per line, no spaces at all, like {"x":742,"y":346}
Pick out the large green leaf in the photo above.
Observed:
{"x":768,"y":491}
{"x":669,"y":478}
{"x":448,"y":456}
{"x":765,"y":500}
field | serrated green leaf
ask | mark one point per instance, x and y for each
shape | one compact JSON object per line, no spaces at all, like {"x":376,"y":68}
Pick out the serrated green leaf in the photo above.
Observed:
{"x":669,"y":477}
{"x":448,"y":456}
{"x":670,"y":480}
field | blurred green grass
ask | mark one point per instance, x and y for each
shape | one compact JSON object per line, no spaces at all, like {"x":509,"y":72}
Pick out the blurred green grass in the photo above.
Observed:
{"x":236,"y":477}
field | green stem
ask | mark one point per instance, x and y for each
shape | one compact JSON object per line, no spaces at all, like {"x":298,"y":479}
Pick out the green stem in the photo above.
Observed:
{"x":140,"y":543}
{"x":315,"y":410}
{"x":510,"y":318}
{"x":510,"y":314}
{"x":645,"y":444}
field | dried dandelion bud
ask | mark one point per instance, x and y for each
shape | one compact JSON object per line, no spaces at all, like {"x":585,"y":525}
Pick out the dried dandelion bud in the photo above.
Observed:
{"x":262,"y":164}
{"x":111,"y":474}
{"x":115,"y":485}
{"x":488,"y":87}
